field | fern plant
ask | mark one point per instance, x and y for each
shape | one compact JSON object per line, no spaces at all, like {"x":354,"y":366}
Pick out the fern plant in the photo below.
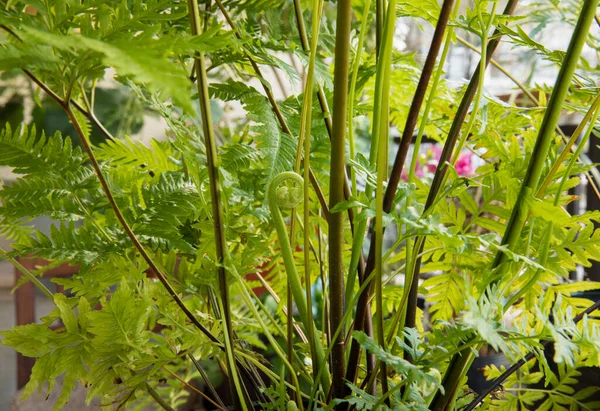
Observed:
{"x":174,"y":239}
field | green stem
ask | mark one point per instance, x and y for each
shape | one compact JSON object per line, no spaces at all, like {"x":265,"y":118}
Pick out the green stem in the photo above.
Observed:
{"x":355,"y":66}
{"x":205,"y":378}
{"x":380,"y":135}
{"x":274,"y":344}
{"x":336,"y":194}
{"x":400,"y":314}
{"x":385,"y":397}
{"x":284,"y":192}
{"x":357,"y":257}
{"x":305,"y":129}
{"x":163,"y":404}
{"x":30,"y":276}
{"x":356,"y":250}
{"x":325,"y":110}
{"x":217,"y":211}
{"x":379,"y":23}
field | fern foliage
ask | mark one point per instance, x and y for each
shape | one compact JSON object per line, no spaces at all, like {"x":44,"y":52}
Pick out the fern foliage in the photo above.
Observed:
{"x":160,"y":289}
{"x":28,"y":152}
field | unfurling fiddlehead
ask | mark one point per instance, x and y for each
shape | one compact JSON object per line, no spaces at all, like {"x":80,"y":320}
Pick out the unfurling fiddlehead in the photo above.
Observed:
{"x":286,"y":191}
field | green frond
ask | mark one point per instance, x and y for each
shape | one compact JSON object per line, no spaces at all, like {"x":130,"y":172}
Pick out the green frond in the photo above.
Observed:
{"x":235,"y":157}
{"x":159,"y":157}
{"x":577,"y":246}
{"x":163,"y":214}
{"x":28,"y":153}
{"x":446,"y":293}
{"x":69,"y":243}
{"x":277,"y":148}
{"x":15,"y":230}
{"x":139,"y":62}
{"x":61,"y":198}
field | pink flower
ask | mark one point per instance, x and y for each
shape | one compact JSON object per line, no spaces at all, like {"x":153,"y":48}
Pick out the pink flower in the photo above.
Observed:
{"x":464,"y":164}
{"x":427,"y":163}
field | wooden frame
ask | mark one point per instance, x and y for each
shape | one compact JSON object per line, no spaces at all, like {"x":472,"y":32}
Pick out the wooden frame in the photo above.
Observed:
{"x":25,"y":306}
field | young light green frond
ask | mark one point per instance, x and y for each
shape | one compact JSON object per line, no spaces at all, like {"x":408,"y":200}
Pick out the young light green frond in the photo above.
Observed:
{"x":446,"y":294}
{"x":138,"y":62}
{"x":577,"y":246}
{"x":38,"y":56}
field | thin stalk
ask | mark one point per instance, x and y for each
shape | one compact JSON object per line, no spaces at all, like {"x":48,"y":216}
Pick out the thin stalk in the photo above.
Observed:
{"x":274,"y":344}
{"x":206,"y":379}
{"x":325,"y":299}
{"x":288,"y":199}
{"x":305,"y":130}
{"x":277,"y":299}
{"x":337,"y":332}
{"x":254,"y":298}
{"x":460,"y":362}
{"x":396,"y":170}
{"x":30,"y":276}
{"x":382,"y":108}
{"x":217,"y":211}
{"x":336,"y":195}
{"x":386,"y":397}
{"x":324,"y":106}
{"x":355,"y":66}
{"x":400,"y":314}
{"x":194,"y":389}
{"x":416,"y":149}
{"x":356,"y":251}
{"x":304,"y":147}
{"x":359,"y":261}
{"x":163,"y":404}
{"x":379,"y":23}
{"x":558,"y":162}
